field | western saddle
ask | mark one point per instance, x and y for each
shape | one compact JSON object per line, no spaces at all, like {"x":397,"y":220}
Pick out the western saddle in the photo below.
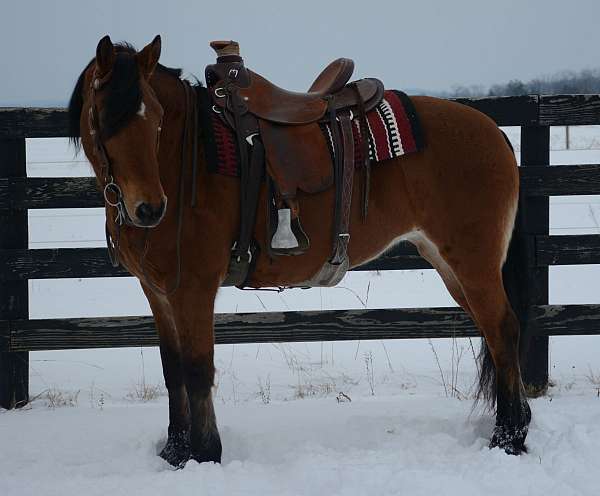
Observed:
{"x":281,"y":131}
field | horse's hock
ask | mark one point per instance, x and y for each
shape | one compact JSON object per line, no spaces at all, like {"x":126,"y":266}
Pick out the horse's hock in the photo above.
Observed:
{"x":537,"y":250}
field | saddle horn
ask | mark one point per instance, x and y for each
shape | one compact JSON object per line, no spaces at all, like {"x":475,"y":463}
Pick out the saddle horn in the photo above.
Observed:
{"x":226,"y":48}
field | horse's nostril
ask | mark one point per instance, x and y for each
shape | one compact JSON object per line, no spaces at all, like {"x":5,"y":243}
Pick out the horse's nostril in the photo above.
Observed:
{"x":149,"y":215}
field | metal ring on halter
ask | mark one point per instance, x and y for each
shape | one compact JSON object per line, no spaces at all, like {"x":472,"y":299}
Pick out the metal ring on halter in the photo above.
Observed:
{"x":113,"y":187}
{"x":220,"y":89}
{"x":233,"y":73}
{"x":216,"y":110}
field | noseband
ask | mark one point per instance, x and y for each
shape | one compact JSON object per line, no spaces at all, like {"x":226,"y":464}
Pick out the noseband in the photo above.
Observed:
{"x":113,"y":196}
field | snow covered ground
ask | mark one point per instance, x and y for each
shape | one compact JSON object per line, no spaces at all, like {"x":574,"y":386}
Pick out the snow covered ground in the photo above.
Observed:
{"x":418,"y":444}
{"x":378,"y":417}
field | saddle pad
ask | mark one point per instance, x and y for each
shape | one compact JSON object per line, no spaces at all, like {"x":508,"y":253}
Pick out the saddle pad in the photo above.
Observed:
{"x":393,"y":125}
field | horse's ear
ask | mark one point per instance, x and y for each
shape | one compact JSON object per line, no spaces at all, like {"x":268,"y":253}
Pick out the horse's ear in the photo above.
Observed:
{"x":105,"y":55}
{"x":148,"y":57}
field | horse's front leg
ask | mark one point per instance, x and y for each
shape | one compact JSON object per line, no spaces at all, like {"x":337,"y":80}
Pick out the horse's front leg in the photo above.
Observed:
{"x":194,"y":313}
{"x":177,"y":450}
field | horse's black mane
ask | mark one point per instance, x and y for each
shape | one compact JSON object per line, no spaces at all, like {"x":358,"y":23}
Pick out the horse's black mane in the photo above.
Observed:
{"x":123,"y":94}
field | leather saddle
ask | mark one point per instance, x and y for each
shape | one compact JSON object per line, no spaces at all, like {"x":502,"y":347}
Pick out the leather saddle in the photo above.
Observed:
{"x":281,"y":131}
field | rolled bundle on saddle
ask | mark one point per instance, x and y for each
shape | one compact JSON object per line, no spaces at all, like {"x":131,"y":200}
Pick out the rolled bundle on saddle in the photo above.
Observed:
{"x":282,"y":132}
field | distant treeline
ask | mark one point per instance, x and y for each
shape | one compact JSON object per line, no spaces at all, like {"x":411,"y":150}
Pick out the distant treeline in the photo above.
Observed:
{"x":585,"y":81}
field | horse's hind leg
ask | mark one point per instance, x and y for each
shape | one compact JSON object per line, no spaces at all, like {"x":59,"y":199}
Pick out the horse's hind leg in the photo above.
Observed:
{"x":477,"y":286}
{"x":430,"y":253}
{"x":500,"y":371}
{"x":500,"y":374}
{"x":177,"y":449}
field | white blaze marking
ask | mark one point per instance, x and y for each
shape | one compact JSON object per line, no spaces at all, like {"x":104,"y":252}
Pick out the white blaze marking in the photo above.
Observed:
{"x":142,"y":110}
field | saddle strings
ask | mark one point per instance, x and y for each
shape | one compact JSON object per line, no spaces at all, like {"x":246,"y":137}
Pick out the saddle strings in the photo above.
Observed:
{"x":364,"y":132}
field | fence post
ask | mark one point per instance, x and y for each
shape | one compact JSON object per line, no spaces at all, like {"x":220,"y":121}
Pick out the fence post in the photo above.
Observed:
{"x":535,"y":219}
{"x":14,"y":295}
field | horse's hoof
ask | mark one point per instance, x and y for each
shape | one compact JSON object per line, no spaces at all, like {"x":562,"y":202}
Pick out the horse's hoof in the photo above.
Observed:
{"x":509,"y":438}
{"x":210,"y":453}
{"x":177,"y":450}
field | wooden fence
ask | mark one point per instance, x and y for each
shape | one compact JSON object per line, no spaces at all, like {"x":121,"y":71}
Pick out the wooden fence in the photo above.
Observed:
{"x":537,"y":250}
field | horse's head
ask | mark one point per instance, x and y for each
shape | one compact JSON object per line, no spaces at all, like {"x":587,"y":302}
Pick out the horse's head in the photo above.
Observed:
{"x":118,"y":117}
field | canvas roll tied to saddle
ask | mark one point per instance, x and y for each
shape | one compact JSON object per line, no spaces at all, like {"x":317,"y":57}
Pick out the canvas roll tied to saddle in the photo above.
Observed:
{"x":306,"y":142}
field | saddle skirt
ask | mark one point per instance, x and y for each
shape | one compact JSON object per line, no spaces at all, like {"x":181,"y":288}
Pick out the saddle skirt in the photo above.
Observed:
{"x":393,"y":128}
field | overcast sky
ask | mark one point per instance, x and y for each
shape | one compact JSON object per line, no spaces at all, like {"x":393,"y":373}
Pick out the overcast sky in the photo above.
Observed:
{"x":44,"y":44}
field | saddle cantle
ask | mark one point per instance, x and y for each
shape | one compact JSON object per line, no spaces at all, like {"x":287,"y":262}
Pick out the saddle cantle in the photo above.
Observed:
{"x":333,"y":78}
{"x":280,"y":131}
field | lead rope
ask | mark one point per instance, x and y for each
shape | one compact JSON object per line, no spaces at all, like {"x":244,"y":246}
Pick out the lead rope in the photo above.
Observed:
{"x":164,"y":292}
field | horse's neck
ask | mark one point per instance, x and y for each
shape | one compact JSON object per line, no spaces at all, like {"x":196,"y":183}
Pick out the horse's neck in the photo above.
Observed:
{"x":171,"y":93}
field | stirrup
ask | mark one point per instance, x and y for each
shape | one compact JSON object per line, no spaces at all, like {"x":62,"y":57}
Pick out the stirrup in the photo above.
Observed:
{"x":284,"y":238}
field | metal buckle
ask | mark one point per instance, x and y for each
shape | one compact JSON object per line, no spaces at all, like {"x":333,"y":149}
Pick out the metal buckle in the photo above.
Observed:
{"x":239,"y":258}
{"x":337,"y":118}
{"x":250,"y":137}
{"x":220,"y":89}
{"x":215,"y":110}
{"x":233,"y":73}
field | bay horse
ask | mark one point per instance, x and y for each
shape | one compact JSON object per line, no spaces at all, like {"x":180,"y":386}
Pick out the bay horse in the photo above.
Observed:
{"x":456,"y":201}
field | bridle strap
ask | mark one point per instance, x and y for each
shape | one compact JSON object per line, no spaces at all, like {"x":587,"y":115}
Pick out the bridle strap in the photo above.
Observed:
{"x":109,"y":187}
{"x":113,"y":196}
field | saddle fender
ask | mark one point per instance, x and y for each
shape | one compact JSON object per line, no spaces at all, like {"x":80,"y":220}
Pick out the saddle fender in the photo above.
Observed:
{"x":297,"y":157}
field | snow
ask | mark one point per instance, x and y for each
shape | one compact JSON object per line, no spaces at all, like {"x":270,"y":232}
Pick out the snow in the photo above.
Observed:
{"x":100,"y":416}
{"x":401,"y":444}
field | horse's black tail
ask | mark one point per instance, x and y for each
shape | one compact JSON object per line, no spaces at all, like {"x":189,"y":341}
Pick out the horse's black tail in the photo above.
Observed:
{"x":486,"y":388}
{"x":487,"y":385}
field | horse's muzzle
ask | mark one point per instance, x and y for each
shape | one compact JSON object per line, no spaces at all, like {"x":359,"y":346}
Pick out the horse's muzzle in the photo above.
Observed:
{"x":148,"y":215}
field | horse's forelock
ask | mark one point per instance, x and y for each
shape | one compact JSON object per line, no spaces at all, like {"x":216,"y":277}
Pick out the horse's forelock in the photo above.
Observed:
{"x":123,"y":94}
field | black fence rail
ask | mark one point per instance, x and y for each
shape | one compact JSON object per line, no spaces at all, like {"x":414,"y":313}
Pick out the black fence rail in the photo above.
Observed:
{"x":537,"y":250}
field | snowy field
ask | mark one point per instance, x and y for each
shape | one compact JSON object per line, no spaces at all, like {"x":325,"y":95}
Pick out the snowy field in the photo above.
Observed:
{"x":370,"y":417}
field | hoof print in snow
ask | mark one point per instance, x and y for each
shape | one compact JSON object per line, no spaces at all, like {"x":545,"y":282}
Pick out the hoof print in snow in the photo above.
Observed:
{"x":177,"y":450}
{"x":510,"y":439}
